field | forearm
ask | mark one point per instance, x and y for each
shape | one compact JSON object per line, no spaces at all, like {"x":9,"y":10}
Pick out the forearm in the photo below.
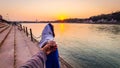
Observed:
{"x":37,"y":61}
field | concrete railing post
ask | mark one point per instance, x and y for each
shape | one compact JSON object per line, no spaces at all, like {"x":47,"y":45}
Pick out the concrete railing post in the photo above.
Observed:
{"x":20,"y":27}
{"x":24,"y":29}
{"x":31,"y":35}
{"x":26,"y":32}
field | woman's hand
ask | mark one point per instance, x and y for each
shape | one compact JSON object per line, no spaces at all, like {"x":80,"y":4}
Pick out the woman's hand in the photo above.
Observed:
{"x":49,"y":47}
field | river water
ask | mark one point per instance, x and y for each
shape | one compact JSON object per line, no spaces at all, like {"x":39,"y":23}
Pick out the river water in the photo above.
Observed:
{"x":86,"y":45}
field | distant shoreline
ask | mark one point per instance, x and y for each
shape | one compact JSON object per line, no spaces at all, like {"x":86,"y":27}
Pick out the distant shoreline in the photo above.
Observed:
{"x":112,"y":18}
{"x":72,"y":23}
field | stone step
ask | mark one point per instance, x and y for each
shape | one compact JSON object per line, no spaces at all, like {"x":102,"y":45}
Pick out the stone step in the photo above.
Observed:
{"x":3,"y":29}
{"x":1,"y":23}
{"x":1,"y":26}
{"x":4,"y":34}
{"x":7,"y":51}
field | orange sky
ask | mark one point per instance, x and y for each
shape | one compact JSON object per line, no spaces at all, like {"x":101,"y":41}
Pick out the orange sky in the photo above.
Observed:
{"x":55,"y":9}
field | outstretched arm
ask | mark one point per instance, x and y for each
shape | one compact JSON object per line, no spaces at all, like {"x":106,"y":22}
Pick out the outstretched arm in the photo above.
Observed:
{"x":39,"y":60}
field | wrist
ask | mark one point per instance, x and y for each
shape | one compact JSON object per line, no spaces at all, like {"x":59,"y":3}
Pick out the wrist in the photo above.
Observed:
{"x":43,"y":50}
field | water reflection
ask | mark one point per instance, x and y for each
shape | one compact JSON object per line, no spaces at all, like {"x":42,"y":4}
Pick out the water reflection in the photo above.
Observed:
{"x":62,"y":27}
{"x":114,"y":29}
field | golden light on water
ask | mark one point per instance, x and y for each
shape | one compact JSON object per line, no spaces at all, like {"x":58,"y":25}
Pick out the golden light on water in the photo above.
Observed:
{"x":62,"y":27}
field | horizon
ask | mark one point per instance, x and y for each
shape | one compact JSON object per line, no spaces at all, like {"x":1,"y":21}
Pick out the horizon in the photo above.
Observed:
{"x":45,"y":10}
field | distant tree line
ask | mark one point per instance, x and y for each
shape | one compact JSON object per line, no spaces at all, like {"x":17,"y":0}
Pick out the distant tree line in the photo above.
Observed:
{"x":108,"y":17}
{"x":103,"y":18}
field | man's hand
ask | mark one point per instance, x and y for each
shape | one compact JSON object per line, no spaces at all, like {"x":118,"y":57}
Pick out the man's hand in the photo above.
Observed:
{"x":49,"y":47}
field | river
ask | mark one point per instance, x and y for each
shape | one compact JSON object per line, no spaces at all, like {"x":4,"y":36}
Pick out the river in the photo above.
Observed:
{"x":86,"y":45}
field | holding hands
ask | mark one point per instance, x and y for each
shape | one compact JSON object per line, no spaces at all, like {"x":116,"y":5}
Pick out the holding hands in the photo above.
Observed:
{"x":49,"y":47}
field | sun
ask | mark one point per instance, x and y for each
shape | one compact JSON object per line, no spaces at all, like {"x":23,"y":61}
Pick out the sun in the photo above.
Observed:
{"x":62,"y":17}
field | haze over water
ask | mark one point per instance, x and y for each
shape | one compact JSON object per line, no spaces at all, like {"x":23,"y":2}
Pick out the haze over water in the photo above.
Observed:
{"x":86,"y":45}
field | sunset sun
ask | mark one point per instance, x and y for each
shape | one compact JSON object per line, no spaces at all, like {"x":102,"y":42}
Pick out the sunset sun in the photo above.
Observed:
{"x":62,"y":17}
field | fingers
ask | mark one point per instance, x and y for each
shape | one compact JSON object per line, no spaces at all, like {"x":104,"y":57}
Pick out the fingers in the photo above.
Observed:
{"x":53,"y":45}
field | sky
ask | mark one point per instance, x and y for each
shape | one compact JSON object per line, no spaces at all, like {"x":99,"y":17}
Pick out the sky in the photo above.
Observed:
{"x":22,"y":10}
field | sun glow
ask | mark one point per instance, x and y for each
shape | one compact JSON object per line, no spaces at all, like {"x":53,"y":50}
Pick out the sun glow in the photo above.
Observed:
{"x":62,"y":17}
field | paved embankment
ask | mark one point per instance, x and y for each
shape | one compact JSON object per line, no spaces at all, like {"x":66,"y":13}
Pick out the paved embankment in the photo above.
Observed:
{"x":7,"y":50}
{"x":16,"y":48}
